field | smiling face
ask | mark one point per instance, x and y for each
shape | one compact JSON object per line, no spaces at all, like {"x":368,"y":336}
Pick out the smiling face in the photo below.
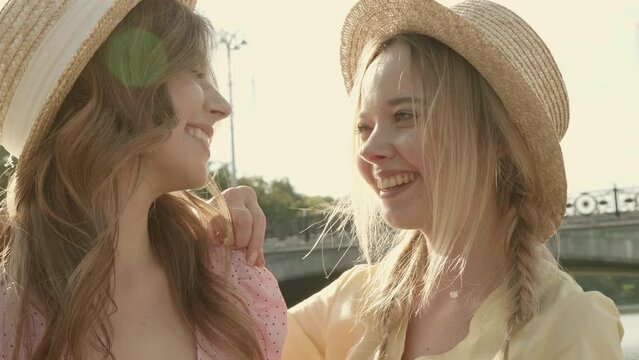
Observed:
{"x":181,"y":161}
{"x":391,"y":156}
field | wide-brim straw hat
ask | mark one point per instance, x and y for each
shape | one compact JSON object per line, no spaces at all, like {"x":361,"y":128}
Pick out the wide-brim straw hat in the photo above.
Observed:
{"x":44,"y":47}
{"x":510,"y":56}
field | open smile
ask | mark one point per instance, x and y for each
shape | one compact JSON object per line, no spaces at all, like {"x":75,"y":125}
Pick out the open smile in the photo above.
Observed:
{"x":390,"y":186}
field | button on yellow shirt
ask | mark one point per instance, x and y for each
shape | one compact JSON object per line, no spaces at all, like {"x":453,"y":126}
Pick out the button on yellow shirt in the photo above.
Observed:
{"x":571,"y":325}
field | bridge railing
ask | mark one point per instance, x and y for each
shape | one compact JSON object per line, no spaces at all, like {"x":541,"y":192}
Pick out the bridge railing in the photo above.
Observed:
{"x":611,"y":201}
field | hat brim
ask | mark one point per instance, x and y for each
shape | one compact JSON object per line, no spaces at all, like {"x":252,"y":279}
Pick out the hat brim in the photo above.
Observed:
{"x":374,"y":20}
{"x":118,"y":10}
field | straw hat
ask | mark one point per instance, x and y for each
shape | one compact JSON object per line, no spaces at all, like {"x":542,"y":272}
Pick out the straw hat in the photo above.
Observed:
{"x":506,"y":51}
{"x":44,"y":46}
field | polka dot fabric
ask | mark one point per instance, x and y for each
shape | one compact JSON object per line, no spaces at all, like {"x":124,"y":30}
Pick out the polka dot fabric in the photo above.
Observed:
{"x":8,"y":321}
{"x":263,"y":300}
{"x":257,"y":287}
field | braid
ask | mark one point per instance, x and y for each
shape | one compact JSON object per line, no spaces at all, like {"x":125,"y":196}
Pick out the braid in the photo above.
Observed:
{"x":522,"y":262}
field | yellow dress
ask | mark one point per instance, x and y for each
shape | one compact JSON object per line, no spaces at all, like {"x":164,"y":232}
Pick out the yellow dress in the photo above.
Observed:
{"x":571,"y":325}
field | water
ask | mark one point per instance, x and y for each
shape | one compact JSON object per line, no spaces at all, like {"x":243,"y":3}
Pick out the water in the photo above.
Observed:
{"x":630,"y":342}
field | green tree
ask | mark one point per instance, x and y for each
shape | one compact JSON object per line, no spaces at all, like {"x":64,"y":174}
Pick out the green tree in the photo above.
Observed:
{"x":222,"y":176}
{"x":287,"y":212}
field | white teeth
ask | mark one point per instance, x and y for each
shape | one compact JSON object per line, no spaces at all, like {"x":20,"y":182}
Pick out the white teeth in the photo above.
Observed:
{"x":198,"y":134}
{"x":393,"y":181}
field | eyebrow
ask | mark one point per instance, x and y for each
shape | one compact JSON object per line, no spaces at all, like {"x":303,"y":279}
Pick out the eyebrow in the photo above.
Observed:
{"x":394,"y":102}
{"x":402,"y":100}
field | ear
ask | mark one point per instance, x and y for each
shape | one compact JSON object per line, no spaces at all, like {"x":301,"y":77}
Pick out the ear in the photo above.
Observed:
{"x":189,"y":3}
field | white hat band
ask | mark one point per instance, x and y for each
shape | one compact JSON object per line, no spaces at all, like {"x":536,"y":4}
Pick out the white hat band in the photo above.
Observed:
{"x":46,"y":67}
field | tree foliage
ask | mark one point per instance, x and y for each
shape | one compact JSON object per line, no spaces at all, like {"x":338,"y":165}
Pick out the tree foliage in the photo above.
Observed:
{"x":288,"y":213}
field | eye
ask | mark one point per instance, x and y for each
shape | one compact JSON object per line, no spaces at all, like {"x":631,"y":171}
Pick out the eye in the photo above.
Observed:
{"x":363,"y":131}
{"x":199,"y":75}
{"x":362,"y":128}
{"x":404,"y":115}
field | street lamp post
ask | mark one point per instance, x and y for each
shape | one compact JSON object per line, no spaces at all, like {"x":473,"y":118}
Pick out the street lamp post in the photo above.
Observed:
{"x":232,"y":42}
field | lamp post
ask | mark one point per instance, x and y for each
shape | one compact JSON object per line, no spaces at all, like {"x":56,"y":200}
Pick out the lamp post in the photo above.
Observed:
{"x":232,"y":41}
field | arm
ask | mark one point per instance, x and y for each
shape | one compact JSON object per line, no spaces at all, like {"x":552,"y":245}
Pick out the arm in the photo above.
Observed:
{"x":256,"y":285}
{"x":324,"y":325}
{"x":299,"y":344}
{"x":249,"y":226}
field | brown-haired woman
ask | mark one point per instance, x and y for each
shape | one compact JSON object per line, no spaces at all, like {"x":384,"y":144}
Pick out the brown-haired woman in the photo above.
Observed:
{"x":110,"y":106}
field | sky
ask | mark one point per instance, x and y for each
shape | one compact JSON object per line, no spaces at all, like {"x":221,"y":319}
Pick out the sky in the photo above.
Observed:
{"x":290,"y":114}
{"x":291,"y":118}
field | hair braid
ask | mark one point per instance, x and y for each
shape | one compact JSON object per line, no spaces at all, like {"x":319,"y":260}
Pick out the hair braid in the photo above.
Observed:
{"x":522,"y":262}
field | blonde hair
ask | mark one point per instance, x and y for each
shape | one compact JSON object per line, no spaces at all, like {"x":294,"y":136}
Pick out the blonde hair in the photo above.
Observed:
{"x":60,"y":222}
{"x":478,"y":157}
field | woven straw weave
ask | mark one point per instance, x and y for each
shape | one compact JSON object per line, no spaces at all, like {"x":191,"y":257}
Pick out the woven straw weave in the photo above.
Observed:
{"x":23,"y":25}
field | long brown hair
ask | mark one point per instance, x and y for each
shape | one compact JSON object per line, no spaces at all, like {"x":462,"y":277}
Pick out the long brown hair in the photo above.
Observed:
{"x":61,"y":216}
{"x":479,"y":155}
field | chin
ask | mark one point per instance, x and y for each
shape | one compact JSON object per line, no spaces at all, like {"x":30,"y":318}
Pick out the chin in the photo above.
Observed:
{"x":400,"y":223}
{"x":199,"y":182}
{"x":191,"y":181}
{"x":405,"y":220}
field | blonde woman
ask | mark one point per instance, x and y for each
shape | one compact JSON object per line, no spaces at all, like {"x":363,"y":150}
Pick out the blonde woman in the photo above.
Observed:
{"x":459,"y":114}
{"x":110,"y":106}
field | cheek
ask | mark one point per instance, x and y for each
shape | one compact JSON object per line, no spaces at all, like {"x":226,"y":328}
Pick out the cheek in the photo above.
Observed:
{"x":188,"y":100}
{"x":412,"y":150}
{"x":365,"y":171}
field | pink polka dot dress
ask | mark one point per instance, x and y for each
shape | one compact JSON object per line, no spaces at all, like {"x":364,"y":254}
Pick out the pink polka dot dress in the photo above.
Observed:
{"x":256,"y":286}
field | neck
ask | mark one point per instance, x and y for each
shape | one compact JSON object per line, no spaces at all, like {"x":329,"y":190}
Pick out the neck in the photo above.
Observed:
{"x":133,"y":250}
{"x":485,"y":262}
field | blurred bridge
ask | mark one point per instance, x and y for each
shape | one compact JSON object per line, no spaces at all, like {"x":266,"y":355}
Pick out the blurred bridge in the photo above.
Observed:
{"x":600,"y":234}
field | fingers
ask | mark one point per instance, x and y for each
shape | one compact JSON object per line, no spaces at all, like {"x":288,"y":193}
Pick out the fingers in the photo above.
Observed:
{"x":261,"y":261}
{"x":256,"y":244}
{"x":242,"y":220}
{"x":249,"y":222}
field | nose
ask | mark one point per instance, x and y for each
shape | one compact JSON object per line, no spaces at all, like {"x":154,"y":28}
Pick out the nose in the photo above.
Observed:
{"x":376,"y":148}
{"x":216,"y":105}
